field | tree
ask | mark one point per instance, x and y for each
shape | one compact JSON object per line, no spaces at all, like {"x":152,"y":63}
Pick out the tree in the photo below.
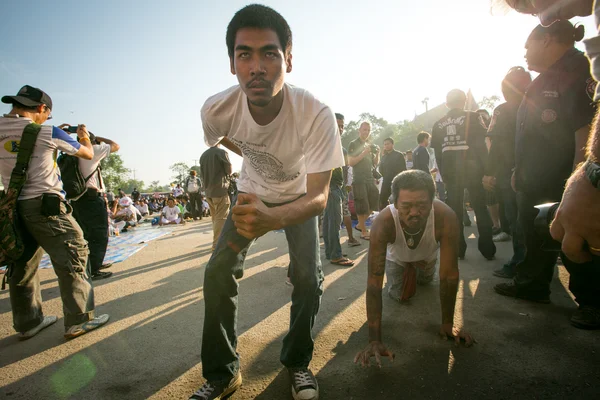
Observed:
{"x":489,"y":103}
{"x":114,"y":172}
{"x":181,"y":171}
{"x":131,"y":184}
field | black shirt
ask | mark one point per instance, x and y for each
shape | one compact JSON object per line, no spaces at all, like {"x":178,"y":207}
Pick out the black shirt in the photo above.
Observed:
{"x":363,"y":171}
{"x":557,"y":104}
{"x":392,"y":164}
{"x":459,"y":143}
{"x":421,"y":159}
{"x":214,"y":166}
{"x":502,"y":131}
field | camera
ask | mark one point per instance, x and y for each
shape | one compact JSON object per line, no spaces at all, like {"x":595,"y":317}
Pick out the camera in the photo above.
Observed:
{"x":541,"y":224}
{"x":374,"y":149}
{"x":71,"y":129}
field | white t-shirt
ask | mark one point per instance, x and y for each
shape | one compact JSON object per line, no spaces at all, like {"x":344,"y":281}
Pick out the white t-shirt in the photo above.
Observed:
{"x":177,"y":192}
{"x":142,"y":208}
{"x":303,"y":139}
{"x":204,"y":205}
{"x":171,"y":213}
{"x":43,"y":175}
{"x":86,"y":167}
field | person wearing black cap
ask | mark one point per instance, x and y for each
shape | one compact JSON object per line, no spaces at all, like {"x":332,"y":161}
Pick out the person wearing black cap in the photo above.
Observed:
{"x":555,"y":116}
{"x":460,"y":151}
{"x":47,"y":223}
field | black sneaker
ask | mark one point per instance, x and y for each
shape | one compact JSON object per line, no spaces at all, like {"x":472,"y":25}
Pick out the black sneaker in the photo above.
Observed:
{"x":507,"y":271}
{"x":511,"y":290}
{"x":218,"y":390}
{"x":101,"y":275}
{"x":586,"y":317}
{"x":304,"y":384}
{"x":105,"y":266}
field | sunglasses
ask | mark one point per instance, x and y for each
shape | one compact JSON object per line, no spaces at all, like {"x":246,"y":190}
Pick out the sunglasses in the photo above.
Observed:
{"x":46,"y":108}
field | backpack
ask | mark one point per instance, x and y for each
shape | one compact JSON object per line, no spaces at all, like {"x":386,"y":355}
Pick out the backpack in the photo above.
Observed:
{"x":11,"y":242}
{"x":71,"y":177}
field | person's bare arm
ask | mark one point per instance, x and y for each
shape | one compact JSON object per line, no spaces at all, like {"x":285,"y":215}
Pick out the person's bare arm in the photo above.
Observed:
{"x":448,"y":236}
{"x":86,"y":151}
{"x":382,"y":233}
{"x":253,"y":218}
{"x":353,"y":160}
{"x":114,"y":146}
{"x":231,"y":146}
{"x":581,"y":139}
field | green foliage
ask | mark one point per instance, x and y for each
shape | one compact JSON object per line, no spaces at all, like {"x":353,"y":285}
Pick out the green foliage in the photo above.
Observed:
{"x":404,"y":133}
{"x":131,"y":184}
{"x":114,"y":172}
{"x":489,"y":103}
{"x":180,"y":170}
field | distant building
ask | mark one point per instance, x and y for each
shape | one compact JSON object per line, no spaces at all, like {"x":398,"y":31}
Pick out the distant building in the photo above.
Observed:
{"x":425,"y":121}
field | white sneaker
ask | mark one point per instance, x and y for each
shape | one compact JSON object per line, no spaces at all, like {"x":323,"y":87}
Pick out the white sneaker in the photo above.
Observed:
{"x":304,"y":384}
{"x":502,"y":237}
{"x":48,"y":320}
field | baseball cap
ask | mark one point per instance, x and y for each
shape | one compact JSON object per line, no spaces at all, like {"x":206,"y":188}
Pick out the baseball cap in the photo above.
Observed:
{"x":125,"y":201}
{"x":29,"y":96}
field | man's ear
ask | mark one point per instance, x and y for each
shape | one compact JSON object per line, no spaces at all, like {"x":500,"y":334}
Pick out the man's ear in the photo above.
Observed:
{"x":232,"y":65}
{"x":288,"y":62}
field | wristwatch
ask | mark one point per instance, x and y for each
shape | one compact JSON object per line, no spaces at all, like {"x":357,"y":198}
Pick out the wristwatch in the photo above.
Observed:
{"x":592,"y":171}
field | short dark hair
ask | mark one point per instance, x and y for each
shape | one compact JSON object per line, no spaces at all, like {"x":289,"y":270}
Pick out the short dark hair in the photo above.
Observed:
{"x":562,"y":30}
{"x":339,"y":116}
{"x":408,"y":151}
{"x":515,"y":83}
{"x":388,"y":139}
{"x":413,"y":180}
{"x":261,"y":17}
{"x":23,"y":107}
{"x":456,"y":98}
{"x":422,"y":136}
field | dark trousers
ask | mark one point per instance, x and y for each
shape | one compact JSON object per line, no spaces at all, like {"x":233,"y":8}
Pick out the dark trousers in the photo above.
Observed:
{"x":91,"y":214}
{"x":195,"y":205}
{"x":508,"y":201}
{"x":455,"y":199}
{"x":535,"y":273}
{"x":386,"y":192}
{"x":220,"y":360}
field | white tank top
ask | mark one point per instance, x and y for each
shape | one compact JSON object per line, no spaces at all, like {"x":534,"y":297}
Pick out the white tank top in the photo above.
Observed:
{"x":400,"y":253}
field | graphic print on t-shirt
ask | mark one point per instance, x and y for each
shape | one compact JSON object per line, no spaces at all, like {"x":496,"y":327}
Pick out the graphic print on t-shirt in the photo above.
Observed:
{"x":265,"y":164}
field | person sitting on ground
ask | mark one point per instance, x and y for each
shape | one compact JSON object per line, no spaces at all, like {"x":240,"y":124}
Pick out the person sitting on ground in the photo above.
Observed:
{"x":205,"y":208}
{"x":142,"y":207}
{"x":124,"y":214}
{"x":184,"y":206}
{"x":171,"y":214}
{"x":404,"y":244}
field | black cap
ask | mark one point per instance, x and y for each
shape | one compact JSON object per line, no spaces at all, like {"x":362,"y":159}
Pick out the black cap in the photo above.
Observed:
{"x":29,"y":97}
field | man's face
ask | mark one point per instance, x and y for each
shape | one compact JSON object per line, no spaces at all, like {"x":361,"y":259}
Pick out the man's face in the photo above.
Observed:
{"x":534,"y":54}
{"x":340,"y":123}
{"x":408,"y":156}
{"x":171,"y":203}
{"x":425,"y":142}
{"x":388,"y":146}
{"x":364,"y":131}
{"x":259,"y":64}
{"x":413,"y":208}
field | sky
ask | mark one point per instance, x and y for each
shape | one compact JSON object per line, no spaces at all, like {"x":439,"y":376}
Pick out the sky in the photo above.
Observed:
{"x":138,"y":72}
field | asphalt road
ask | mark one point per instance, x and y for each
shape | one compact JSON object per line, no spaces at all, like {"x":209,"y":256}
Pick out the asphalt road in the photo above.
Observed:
{"x":151,"y":346}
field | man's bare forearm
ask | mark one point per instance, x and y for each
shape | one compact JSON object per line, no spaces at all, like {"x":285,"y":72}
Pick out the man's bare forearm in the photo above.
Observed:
{"x":300,"y":210}
{"x":593,"y":145}
{"x":374,"y":307}
{"x":448,"y":290}
{"x":353,"y":160}
{"x":231,"y":146}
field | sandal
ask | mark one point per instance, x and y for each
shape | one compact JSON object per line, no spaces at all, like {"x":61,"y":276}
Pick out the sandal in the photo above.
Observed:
{"x":365,"y":237}
{"x":344,"y":262}
{"x":353,"y":243}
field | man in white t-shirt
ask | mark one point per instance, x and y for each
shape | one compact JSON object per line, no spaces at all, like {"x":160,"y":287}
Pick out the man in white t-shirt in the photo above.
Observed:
{"x":177,"y":191}
{"x":90,"y":209}
{"x":46,"y":220}
{"x":289,"y":143}
{"x":192,"y":187}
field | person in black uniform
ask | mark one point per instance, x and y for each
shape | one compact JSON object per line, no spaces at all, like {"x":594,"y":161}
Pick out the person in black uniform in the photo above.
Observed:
{"x":501,"y":159}
{"x":392,"y":163}
{"x":461,"y":153}
{"x":553,"y":125}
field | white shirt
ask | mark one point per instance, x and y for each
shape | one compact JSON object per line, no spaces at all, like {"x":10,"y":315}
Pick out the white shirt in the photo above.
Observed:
{"x":302,"y":139}
{"x":171,"y":213}
{"x":142,"y":208}
{"x":426,"y":250}
{"x":43,"y":175}
{"x":177,"y":192}
{"x":204,"y":205}
{"x":86,"y":167}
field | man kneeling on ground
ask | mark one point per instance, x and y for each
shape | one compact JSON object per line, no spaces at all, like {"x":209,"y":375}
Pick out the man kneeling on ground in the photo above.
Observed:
{"x":404,"y":243}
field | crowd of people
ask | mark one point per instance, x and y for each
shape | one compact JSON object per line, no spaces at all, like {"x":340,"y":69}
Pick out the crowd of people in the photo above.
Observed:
{"x":417,"y":200}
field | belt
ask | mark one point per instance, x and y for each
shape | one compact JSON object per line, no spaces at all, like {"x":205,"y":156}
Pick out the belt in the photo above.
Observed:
{"x":94,"y":192}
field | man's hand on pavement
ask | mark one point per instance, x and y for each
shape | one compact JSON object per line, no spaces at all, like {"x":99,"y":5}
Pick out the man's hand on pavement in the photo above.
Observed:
{"x":376,"y":349}
{"x":252,"y":217}
{"x":578,"y":219}
{"x":448,"y":331}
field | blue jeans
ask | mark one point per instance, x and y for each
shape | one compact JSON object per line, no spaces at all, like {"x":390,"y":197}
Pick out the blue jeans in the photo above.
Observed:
{"x":332,"y":221}
{"x":509,"y":200}
{"x":220,"y":360}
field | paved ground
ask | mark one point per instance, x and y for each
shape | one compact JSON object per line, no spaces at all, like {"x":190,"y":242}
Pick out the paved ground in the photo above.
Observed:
{"x":151,"y":347}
